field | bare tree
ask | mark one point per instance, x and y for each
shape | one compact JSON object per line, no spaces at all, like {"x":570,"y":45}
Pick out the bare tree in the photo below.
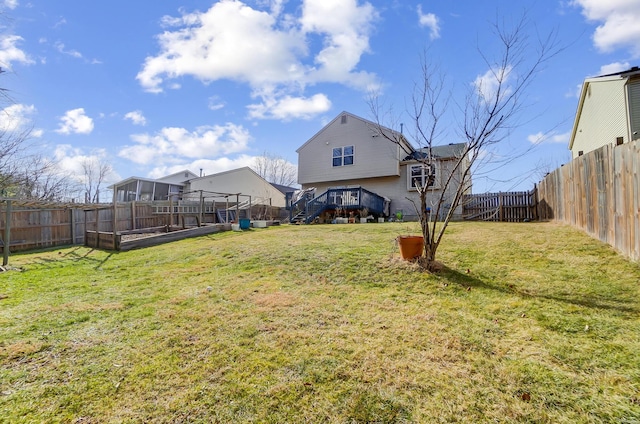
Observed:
{"x":95,"y":172}
{"x":490,"y":110}
{"x":42,"y":179}
{"x":275,"y":169}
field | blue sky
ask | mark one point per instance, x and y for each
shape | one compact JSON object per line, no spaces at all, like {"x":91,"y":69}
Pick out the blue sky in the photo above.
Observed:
{"x":156,"y":87}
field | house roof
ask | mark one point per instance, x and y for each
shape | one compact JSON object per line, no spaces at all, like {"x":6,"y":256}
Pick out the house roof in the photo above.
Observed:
{"x":405,"y":144}
{"x":151,"y":180}
{"x":231,"y":171}
{"x":629,"y":73}
{"x":451,"y":150}
{"x":284,"y":189}
{"x":186,"y":176}
{"x":280,"y":188}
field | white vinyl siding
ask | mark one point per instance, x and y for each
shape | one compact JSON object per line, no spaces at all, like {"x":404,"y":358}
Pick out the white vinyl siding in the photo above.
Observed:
{"x":634,"y":109}
{"x":603,"y":117}
{"x":373,"y":155}
{"x":242,"y":180}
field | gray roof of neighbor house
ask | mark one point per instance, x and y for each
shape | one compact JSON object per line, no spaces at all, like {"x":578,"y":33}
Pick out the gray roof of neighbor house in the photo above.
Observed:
{"x":452,"y":150}
{"x":284,"y":189}
{"x":631,"y":71}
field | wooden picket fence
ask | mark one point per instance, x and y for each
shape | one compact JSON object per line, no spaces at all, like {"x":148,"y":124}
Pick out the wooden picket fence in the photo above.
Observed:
{"x":517,"y":206}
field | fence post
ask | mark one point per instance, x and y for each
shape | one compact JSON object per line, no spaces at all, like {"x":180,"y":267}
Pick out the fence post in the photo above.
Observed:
{"x":97,"y":227}
{"x":7,"y":235}
{"x":201,"y":214}
{"x":535,"y":216}
{"x":115,"y":219}
{"x":170,"y":213}
{"x":133,"y":215}
{"x":72,"y":213}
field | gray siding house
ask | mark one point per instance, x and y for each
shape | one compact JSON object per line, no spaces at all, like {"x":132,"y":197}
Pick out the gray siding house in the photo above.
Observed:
{"x":349,"y":153}
{"x":608,"y":112}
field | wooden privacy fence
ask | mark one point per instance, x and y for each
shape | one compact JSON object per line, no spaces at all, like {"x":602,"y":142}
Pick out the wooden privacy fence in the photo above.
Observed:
{"x":518,"y":206}
{"x":599,"y":193}
{"x":26,"y":225}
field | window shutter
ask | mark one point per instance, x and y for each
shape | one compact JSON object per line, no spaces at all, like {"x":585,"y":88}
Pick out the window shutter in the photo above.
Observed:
{"x":634,"y":109}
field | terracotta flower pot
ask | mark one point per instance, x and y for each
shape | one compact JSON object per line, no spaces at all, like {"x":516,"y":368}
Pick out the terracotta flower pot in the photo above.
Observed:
{"x":411,"y":247}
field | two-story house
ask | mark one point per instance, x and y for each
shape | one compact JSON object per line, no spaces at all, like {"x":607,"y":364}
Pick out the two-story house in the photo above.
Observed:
{"x":608,"y":112}
{"x":350,"y":153}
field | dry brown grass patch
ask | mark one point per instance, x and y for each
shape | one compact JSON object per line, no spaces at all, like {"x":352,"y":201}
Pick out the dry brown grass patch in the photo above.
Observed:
{"x":275,"y":300}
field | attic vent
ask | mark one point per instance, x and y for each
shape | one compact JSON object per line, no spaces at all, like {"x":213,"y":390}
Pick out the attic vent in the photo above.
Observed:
{"x":343,"y":119}
{"x":186,"y":174}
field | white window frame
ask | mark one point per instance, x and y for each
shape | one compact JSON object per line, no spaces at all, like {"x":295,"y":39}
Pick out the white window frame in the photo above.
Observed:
{"x":342,"y":156}
{"x":423,"y":175}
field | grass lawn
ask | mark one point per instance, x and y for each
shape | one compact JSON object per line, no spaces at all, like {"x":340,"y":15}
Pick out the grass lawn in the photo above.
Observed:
{"x":324,"y":324}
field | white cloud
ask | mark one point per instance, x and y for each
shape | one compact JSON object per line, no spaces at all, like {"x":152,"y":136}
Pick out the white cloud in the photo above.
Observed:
{"x":71,"y":159}
{"x":61,"y":48}
{"x":62,"y":21}
{"x":75,"y":122}
{"x":613,"y":68}
{"x":9,"y":52}
{"x":208,"y":166}
{"x":266,"y":48}
{"x":173,"y":145}
{"x":430,"y":21}
{"x":576,"y":93}
{"x":288,"y":107}
{"x":215,"y":103}
{"x":618,"y":23}
{"x":345,"y":27}
{"x":487,"y":85}
{"x":10,"y":4}
{"x":136,"y":117}
{"x":17,"y":118}
{"x":553,"y":137}
{"x":229,"y":41}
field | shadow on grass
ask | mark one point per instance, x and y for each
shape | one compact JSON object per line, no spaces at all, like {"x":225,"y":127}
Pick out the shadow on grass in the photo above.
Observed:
{"x":75,"y":255}
{"x":588,"y":301}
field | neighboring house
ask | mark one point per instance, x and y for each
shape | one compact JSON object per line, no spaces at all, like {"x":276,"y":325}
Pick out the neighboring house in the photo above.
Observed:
{"x":146,"y":189}
{"x":608,"y":112}
{"x":244,"y":181}
{"x":238,"y":185}
{"x":349,"y":153}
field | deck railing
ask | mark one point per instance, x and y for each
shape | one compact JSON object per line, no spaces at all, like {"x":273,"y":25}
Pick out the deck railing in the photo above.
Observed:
{"x":349,"y":199}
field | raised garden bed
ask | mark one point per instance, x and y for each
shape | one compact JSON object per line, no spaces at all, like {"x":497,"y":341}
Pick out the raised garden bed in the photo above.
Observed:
{"x":137,"y":240}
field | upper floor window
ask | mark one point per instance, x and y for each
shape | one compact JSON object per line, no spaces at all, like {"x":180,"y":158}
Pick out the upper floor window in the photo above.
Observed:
{"x":343,"y":156}
{"x":421,"y":175}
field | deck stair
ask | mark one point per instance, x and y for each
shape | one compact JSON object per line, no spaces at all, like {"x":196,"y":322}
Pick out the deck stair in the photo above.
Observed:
{"x":306,"y":210}
{"x":226,"y":215}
